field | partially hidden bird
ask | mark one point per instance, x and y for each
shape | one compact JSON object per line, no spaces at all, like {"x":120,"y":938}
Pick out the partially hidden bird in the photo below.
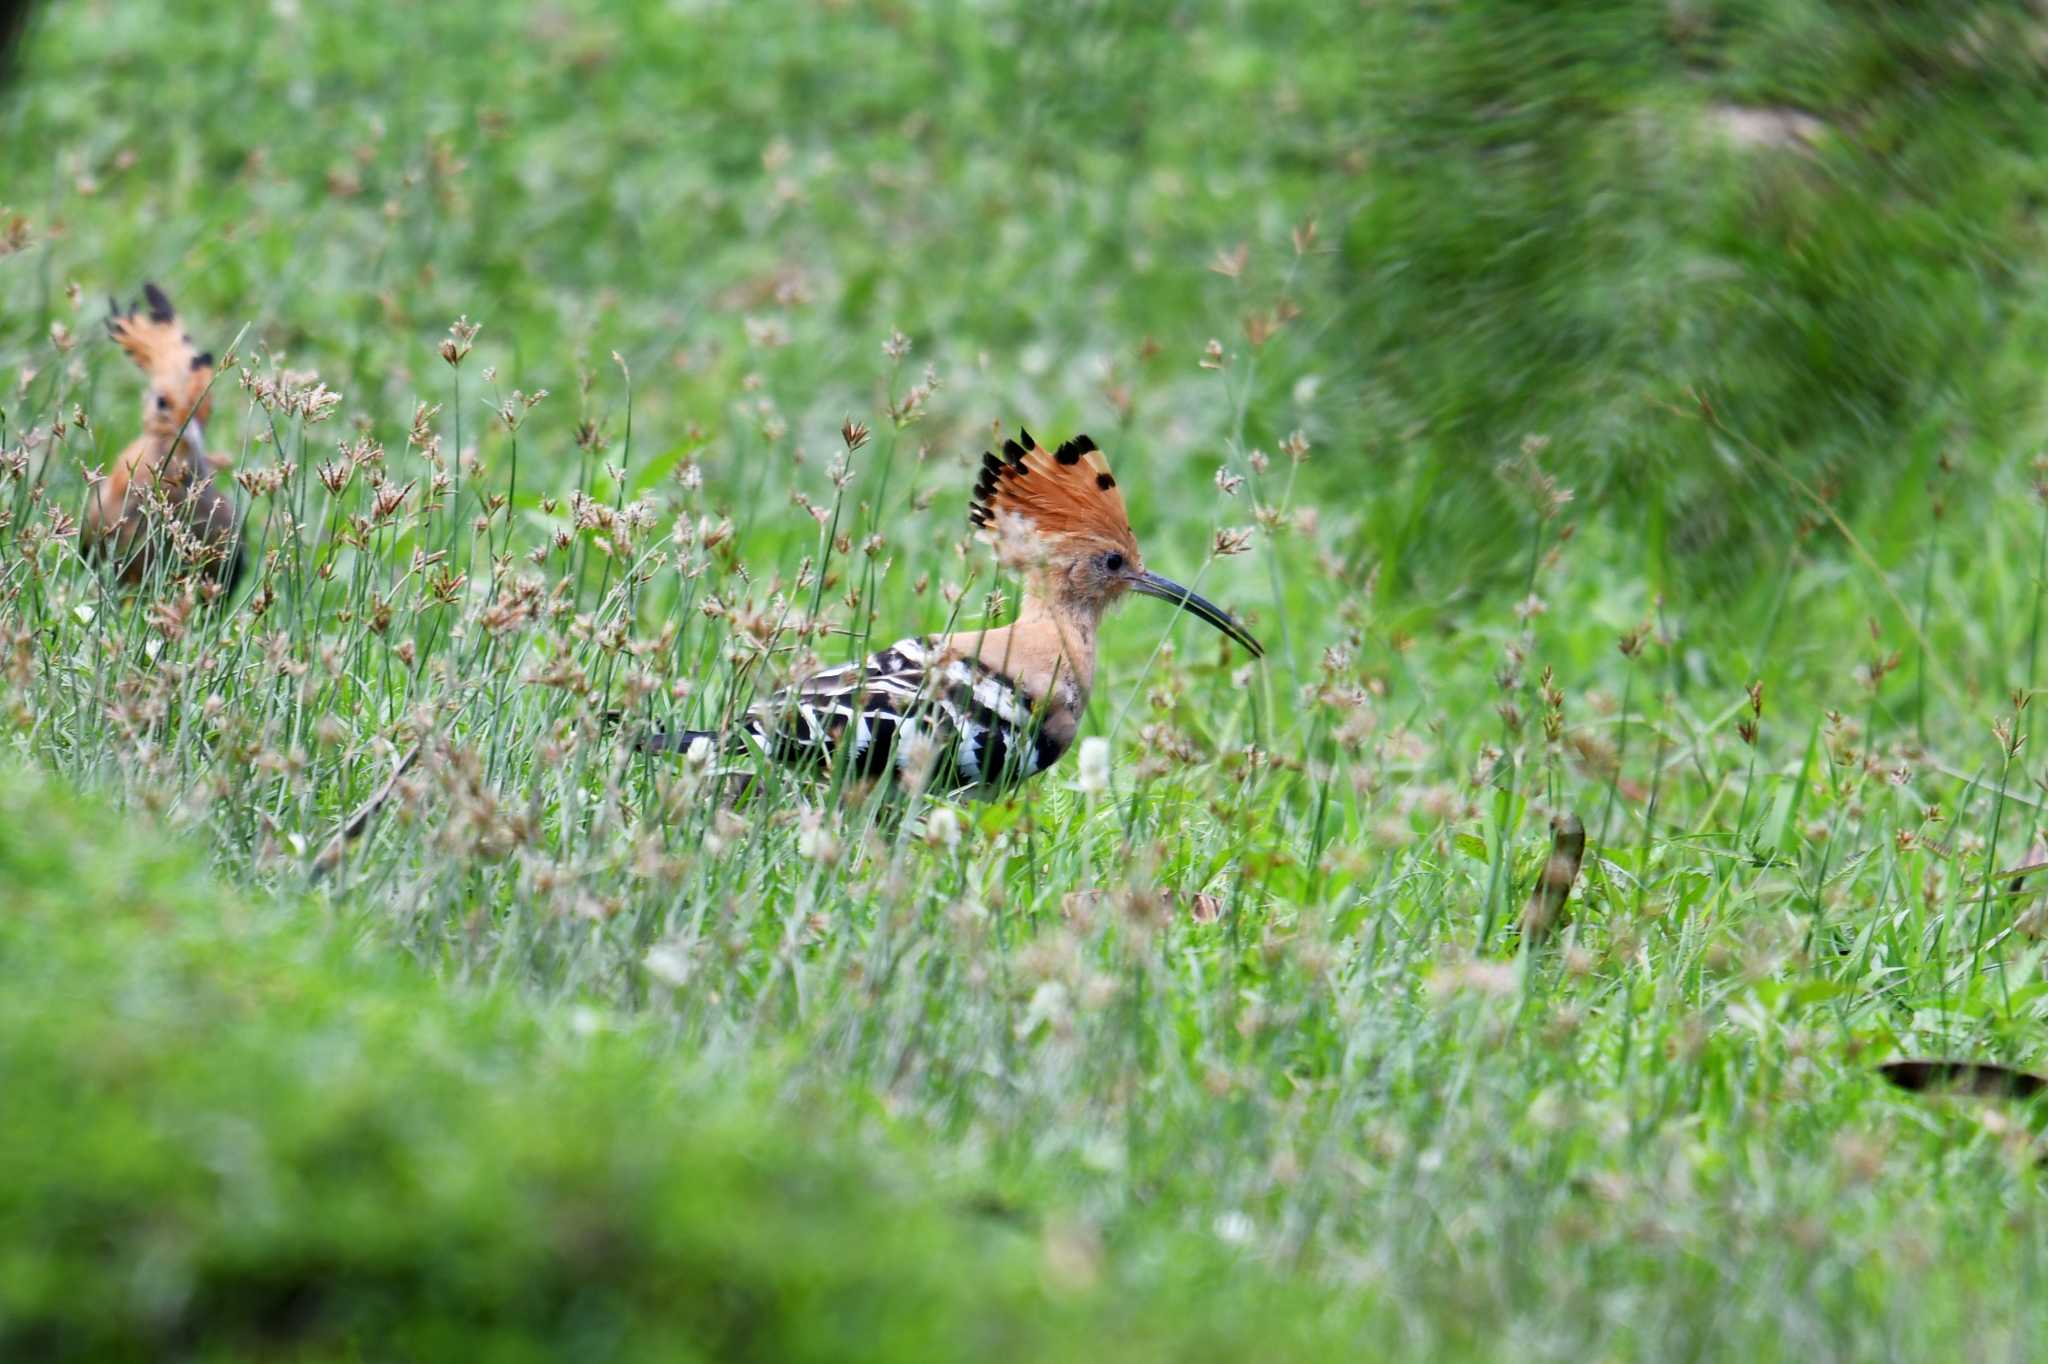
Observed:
{"x":1978,"y":1079}
{"x":161,"y":494}
{"x":977,"y":712}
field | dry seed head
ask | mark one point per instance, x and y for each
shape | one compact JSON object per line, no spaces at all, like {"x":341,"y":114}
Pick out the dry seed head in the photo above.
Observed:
{"x":315,"y":403}
{"x":816,"y":842}
{"x":1232,"y":540}
{"x":264,"y":481}
{"x":911,"y":405}
{"x":461,"y":333}
{"x":1472,"y":977}
{"x":919,"y":757}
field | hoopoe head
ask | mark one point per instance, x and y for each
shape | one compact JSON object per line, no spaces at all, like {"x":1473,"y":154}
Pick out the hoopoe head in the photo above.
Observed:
{"x":180,"y":375}
{"x":1058,"y":517}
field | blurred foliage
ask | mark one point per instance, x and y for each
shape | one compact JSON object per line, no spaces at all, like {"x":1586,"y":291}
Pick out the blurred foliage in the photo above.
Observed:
{"x":228,"y":1136}
{"x":1822,"y":219}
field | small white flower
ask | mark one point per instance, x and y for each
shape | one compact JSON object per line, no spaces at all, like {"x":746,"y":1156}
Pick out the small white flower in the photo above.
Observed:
{"x":669,"y":963}
{"x":942,"y":828}
{"x":1049,"y":1007}
{"x":1234,"y":1228}
{"x":1094,"y":776}
{"x":916,"y":755}
{"x":814,"y":841}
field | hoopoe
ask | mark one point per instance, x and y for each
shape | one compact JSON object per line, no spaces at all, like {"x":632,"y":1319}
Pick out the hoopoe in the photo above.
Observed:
{"x":977,"y":712}
{"x":167,"y":465}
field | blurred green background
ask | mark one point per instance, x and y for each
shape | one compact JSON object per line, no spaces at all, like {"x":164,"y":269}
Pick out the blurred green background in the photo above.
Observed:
{"x":1577,"y":222}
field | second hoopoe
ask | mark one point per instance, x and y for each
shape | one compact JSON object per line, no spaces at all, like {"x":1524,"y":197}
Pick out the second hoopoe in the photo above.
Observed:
{"x":977,"y":712}
{"x":166,"y":469}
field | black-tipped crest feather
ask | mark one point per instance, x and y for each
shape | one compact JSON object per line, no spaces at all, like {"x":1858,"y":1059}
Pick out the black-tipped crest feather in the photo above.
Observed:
{"x":1073,"y":450}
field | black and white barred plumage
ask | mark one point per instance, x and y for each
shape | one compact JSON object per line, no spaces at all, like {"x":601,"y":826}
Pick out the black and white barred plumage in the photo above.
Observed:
{"x":914,"y":705}
{"x":979,"y":712}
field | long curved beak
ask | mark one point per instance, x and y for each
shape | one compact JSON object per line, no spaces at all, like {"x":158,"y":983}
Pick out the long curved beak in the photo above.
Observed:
{"x":1166,"y":589}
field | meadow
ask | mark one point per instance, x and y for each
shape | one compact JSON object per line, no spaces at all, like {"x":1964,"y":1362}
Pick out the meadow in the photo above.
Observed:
{"x":1632,"y":414}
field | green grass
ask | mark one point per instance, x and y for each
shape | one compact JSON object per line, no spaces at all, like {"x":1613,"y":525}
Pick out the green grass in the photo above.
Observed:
{"x":230,"y":1136}
{"x":1352,"y":1105}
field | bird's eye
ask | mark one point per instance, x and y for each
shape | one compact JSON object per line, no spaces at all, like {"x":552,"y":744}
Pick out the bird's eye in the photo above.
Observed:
{"x":1114,"y":562}
{"x":163,"y":404}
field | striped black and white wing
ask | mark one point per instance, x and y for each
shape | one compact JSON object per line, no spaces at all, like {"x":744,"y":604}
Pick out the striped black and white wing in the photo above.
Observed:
{"x":900,"y":709}
{"x":993,"y":734}
{"x":863,"y":704}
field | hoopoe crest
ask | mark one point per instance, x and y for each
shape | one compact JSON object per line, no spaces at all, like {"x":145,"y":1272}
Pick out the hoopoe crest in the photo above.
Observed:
{"x":166,"y":468}
{"x":977,"y":712}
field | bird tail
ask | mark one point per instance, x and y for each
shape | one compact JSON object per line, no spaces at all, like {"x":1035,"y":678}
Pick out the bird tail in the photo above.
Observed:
{"x":233,"y":569}
{"x":1986,"y":1079}
{"x":675,"y":740}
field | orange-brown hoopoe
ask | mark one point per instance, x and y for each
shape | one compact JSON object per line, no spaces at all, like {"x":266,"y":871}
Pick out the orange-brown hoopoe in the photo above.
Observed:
{"x":979,"y":711}
{"x":167,"y":465}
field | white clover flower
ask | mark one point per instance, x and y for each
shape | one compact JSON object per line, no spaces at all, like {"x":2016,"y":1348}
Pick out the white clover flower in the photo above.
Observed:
{"x":1234,"y":1228}
{"x":669,"y":963}
{"x":942,"y":828}
{"x":814,"y":841}
{"x":1094,"y":776}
